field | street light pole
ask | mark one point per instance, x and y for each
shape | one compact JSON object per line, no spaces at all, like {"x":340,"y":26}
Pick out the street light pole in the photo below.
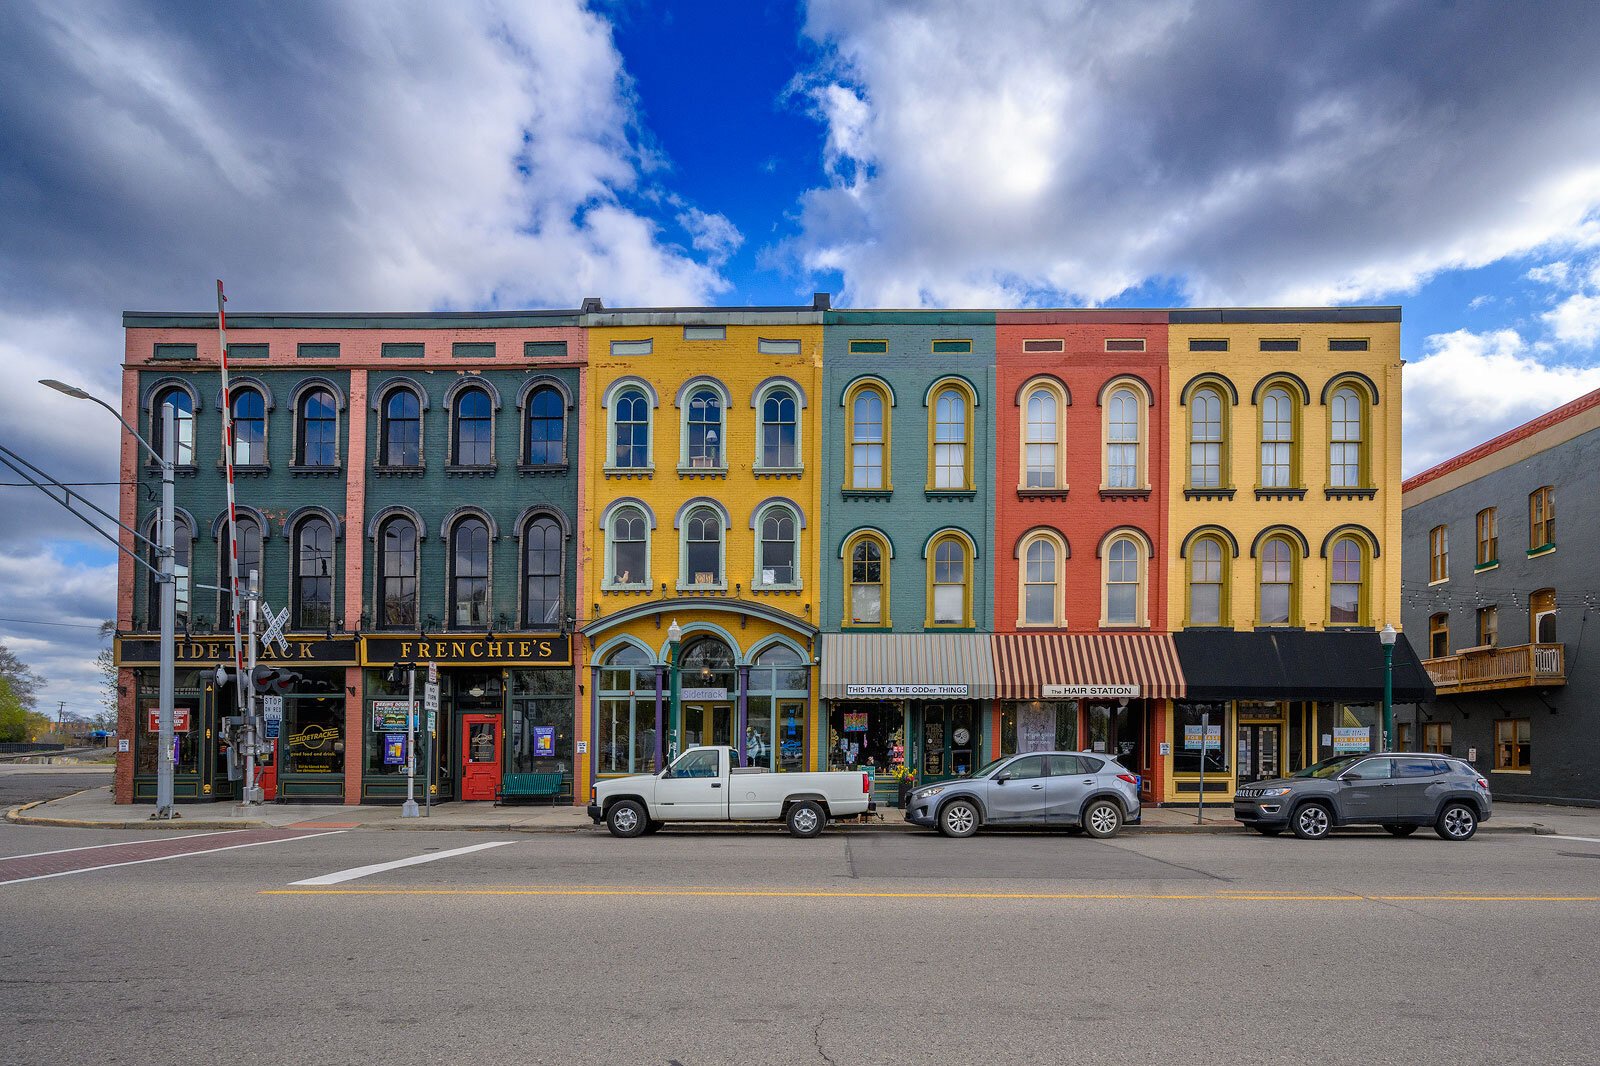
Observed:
{"x":1387,"y":636}
{"x":674,"y":639}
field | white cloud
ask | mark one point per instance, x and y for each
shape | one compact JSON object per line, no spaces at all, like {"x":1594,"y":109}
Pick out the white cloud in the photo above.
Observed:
{"x":713,"y":234}
{"x":1469,"y":387}
{"x":39,"y":587}
{"x":1069,"y":151}
{"x":1576,"y":320}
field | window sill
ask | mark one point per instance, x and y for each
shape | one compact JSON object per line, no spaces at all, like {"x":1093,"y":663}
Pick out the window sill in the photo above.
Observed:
{"x":246,"y":469}
{"x":1524,"y":773}
{"x":1278,"y":627}
{"x":178,"y":469}
{"x":777,"y":588}
{"x":779,"y":471}
{"x":1042,"y":494}
{"x":541,"y":469}
{"x":1533,"y":553}
{"x":1440,"y":581}
{"x":452,"y":470}
{"x":400,"y":471}
{"x":1209,"y":494}
{"x":1348,"y":629}
{"x":1349,"y":494}
{"x":703,"y":471}
{"x":1280,"y":494}
{"x":316,"y":471}
{"x":1124,"y":627}
{"x":866,"y":625}
{"x":947,"y":627}
{"x":627,"y":589}
{"x":950,"y":494}
{"x":865,"y":494}
{"x":1124,"y":494}
{"x":1484,"y":568}
{"x":630,"y":471}
{"x":681,"y":587}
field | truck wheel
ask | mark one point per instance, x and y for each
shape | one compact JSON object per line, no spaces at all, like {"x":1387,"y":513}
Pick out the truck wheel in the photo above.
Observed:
{"x":1102,"y":819}
{"x":806,"y":819}
{"x":958,"y":819}
{"x":626,"y":818}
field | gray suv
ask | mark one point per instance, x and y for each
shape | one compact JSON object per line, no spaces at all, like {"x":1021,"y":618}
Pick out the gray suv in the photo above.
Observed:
{"x":1400,"y":791}
{"x":1069,"y":789}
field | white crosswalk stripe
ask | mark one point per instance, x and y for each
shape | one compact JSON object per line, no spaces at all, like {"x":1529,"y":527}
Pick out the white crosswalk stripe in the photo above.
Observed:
{"x":381,"y":867}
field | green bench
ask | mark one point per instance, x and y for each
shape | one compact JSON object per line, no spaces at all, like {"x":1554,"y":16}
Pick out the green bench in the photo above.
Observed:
{"x":530,"y":786}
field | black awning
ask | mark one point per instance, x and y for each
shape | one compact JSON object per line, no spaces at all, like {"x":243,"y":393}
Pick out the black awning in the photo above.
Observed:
{"x":1292,"y":665}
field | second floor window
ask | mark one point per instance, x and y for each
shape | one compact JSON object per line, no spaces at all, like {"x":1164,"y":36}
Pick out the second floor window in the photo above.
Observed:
{"x":397,"y":574}
{"x":865,"y":581}
{"x":469,"y":574}
{"x":313,"y":574}
{"x":182,"y":557}
{"x":1439,"y":553}
{"x":1277,"y":583}
{"x":1488,"y":537}
{"x":1206,"y":582}
{"x":1439,"y":636}
{"x":776,"y":548}
{"x":1488,"y":627}
{"x":1122,"y":583}
{"x":629,"y":544}
{"x":1040,"y":582}
{"x":950,"y":583}
{"x":474,"y":429}
{"x":319,"y":429}
{"x":1344,"y":590}
{"x":1541,"y":518}
{"x":541,"y":573}
{"x":702,"y":548}
{"x":248,"y":533}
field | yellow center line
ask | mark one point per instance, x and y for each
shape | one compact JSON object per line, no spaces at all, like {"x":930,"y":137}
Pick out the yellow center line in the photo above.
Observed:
{"x":726,"y":893}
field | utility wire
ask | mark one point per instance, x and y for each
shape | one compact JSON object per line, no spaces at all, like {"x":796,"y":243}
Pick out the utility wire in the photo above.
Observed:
{"x":64,"y":625}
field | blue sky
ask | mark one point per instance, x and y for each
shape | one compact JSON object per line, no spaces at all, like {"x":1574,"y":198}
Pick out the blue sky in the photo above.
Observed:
{"x":529,"y":153}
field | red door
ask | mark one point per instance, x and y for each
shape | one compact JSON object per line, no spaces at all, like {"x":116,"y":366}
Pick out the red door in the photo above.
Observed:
{"x":480,"y":756}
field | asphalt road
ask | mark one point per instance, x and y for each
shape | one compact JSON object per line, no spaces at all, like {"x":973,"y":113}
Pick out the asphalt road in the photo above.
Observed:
{"x":24,"y":783}
{"x":884,"y":948}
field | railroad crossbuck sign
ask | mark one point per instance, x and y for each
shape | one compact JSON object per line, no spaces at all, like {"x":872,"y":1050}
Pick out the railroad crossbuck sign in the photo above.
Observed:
{"x":274,"y":630}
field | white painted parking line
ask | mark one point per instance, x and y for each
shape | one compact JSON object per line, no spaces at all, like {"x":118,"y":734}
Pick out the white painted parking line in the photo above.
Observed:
{"x":119,"y":844}
{"x":1558,"y":836}
{"x":164,"y":858}
{"x":381,"y":867}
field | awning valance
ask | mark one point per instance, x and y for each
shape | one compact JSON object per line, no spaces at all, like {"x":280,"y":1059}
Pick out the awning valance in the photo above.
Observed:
{"x":926,"y":666}
{"x":1037,"y":666}
{"x":1294,"y":665}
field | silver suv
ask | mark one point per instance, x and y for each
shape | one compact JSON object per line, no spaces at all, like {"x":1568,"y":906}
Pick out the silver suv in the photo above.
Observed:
{"x":1069,"y":789}
{"x":1400,"y":791}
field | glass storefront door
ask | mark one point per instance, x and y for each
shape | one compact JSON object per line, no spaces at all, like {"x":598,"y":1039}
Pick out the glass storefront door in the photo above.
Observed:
{"x":707,"y":723}
{"x":950,"y":741}
{"x":1117,"y":730}
{"x":1260,"y":748}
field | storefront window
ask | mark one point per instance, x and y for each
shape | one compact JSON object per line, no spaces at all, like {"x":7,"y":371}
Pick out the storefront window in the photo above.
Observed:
{"x":541,"y":721}
{"x":862,"y":735}
{"x":626,"y":739}
{"x":1118,"y":731}
{"x":186,"y":699}
{"x":780,"y":686}
{"x":1042,"y":725}
{"x":1187,"y":749}
{"x":1351,"y":727}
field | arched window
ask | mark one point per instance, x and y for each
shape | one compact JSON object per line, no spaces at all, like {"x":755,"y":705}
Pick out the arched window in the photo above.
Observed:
{"x":1541,"y":518}
{"x":1542,"y":616}
{"x":546,"y":427}
{"x":397,"y":573}
{"x":469,"y":573}
{"x":313,"y":573}
{"x":707,"y":662}
{"x":249,"y":428}
{"x":1125,"y":458}
{"x":780,"y":687}
{"x":1346,"y":458}
{"x":702,"y":550}
{"x":248,"y":532}
{"x":632,"y":422}
{"x":777,"y":549}
{"x":1277,"y":439}
{"x":780,"y":430}
{"x":869,"y":438}
{"x":950,"y":582}
{"x":1347,"y":598}
{"x":1439,"y":554}
{"x":1439,"y":635}
{"x":1488,"y":537}
{"x":182,"y":559}
{"x":1207,"y":439}
{"x":1208,"y":582}
{"x":952,"y":435}
{"x":628,"y":549}
{"x":541,"y":572}
{"x":703,"y":428}
{"x":472,"y":442}
{"x":628,"y":740}
{"x":1041,"y":581}
{"x":402,"y":429}
{"x":1277,"y":591}
{"x":319,"y":429}
{"x":1041,"y":447}
{"x":182,"y":405}
{"x":1124,"y":577}
{"x":866,"y":592}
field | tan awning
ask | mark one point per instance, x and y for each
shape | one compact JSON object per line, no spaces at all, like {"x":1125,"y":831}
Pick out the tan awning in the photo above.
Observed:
{"x":1038,"y":666}
{"x":917,"y":666}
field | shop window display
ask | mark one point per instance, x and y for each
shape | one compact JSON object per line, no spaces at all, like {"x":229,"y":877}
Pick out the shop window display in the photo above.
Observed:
{"x":867,"y":736}
{"x":775,"y":735}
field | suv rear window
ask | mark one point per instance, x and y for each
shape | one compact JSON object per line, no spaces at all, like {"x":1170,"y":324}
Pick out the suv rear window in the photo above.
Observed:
{"x":1090,"y":766}
{"x":1417,"y":767}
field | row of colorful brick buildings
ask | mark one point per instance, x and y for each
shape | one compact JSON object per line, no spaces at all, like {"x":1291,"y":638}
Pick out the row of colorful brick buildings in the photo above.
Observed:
{"x":904,"y":540}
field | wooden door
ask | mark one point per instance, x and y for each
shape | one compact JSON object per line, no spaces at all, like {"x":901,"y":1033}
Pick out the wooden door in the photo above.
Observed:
{"x":480,"y":756}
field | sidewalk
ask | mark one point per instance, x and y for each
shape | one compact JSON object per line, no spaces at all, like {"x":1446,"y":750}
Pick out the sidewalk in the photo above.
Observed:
{"x":93,"y":809}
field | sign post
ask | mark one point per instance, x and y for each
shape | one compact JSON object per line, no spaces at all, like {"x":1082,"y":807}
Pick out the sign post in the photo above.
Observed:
{"x":409,"y":808}
{"x":430,"y":703}
{"x":1205,"y":743}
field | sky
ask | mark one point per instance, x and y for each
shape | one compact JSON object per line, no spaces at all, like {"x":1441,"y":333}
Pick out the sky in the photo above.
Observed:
{"x":483,"y":154}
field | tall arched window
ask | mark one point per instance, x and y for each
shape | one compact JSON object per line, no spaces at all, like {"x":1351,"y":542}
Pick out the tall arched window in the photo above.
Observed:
{"x":402,"y":429}
{"x":248,"y":533}
{"x":1124,"y":576}
{"x":1347,"y":415}
{"x":1347,"y":583}
{"x":1207,"y":439}
{"x":397,"y":573}
{"x":869,"y":438}
{"x":627,"y":739}
{"x":473,"y":433}
{"x":546,"y":428}
{"x":1041,"y":456}
{"x":1208,"y":582}
{"x":777,"y":549}
{"x":182,"y":559}
{"x":704,"y":429}
{"x":952,"y":435}
{"x":541,"y":572}
{"x":1041,"y":581}
{"x":950,"y":582}
{"x":182,"y":405}
{"x":1541,"y":518}
{"x":1124,"y":439}
{"x":1542,"y":616}
{"x":780,"y":687}
{"x":627,"y":549}
{"x":313,"y":573}
{"x":702,"y":549}
{"x":780,"y":430}
{"x":469,"y":573}
{"x":319,"y":429}
{"x":1277,"y":591}
{"x":866,"y":581}
{"x":1277,"y":439}
{"x":632,"y":422}
{"x":249,"y":427}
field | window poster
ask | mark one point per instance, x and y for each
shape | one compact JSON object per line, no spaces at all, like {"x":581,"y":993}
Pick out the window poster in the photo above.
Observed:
{"x":544,"y":741}
{"x":855,"y":721}
{"x":394,"y":749}
{"x":1036,"y":727}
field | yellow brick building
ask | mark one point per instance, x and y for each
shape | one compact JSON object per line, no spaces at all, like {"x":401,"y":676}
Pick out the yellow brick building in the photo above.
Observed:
{"x":703,"y":509}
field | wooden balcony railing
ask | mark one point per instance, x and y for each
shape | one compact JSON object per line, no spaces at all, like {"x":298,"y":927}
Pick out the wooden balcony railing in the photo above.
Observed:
{"x":1490,"y":669}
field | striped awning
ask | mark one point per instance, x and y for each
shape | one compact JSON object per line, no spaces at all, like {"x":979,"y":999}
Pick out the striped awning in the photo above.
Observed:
{"x":925,"y":666}
{"x":1037,"y":666}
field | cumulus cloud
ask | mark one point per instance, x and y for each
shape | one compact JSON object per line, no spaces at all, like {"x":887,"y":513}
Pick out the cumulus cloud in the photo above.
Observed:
{"x":1260,"y":152}
{"x":713,"y":234}
{"x":60,"y":604}
{"x":1469,"y":387}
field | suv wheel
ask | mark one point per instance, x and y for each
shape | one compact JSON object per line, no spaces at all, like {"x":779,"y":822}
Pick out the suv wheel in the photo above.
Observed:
{"x":626,"y":818}
{"x":1400,"y":830}
{"x":1457,"y":822}
{"x":1313,"y":821}
{"x":1102,"y":819}
{"x":958,"y":819}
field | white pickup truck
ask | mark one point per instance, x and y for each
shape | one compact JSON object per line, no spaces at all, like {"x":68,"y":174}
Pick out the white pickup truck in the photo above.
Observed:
{"x":706,"y":785}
